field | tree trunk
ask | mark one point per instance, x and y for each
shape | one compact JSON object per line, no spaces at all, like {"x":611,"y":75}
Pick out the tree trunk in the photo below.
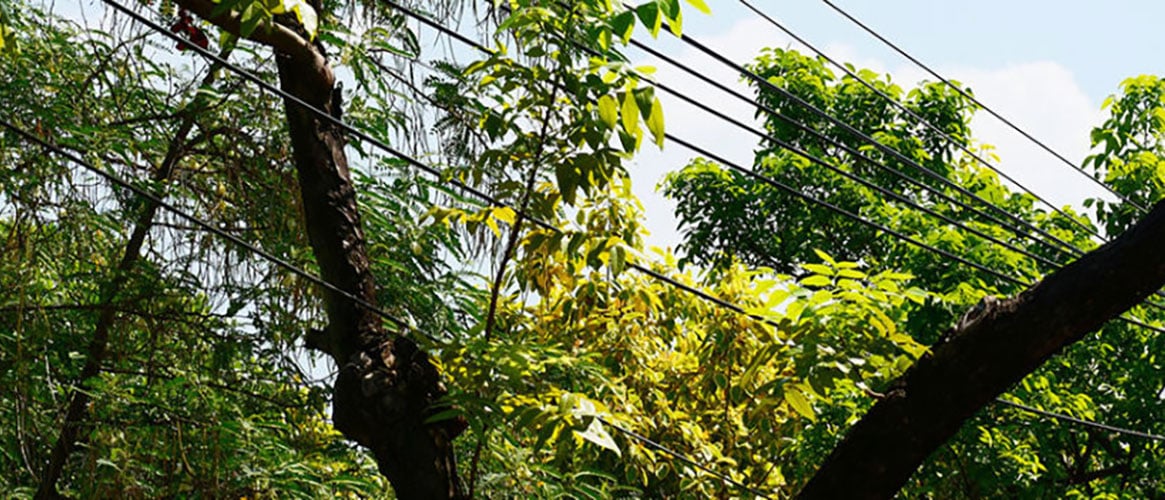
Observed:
{"x":387,"y":386}
{"x":988,"y":352}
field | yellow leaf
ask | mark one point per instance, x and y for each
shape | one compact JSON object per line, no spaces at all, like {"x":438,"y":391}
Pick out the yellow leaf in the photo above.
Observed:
{"x":816,"y":280}
{"x":655,"y":123}
{"x":630,"y":114}
{"x":608,"y":110}
{"x":493,"y":226}
{"x":799,"y":402}
{"x":700,"y":6}
{"x":505,"y":214}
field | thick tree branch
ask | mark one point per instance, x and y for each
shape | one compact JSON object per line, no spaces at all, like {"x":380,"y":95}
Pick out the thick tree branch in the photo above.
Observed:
{"x":387,"y":387}
{"x":985,"y":356}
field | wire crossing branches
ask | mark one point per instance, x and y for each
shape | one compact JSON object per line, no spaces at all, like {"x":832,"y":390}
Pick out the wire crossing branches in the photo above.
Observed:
{"x":984,"y":357}
{"x":387,"y":386}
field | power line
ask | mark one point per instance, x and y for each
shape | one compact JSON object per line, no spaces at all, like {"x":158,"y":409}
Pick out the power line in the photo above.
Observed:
{"x":1079,"y":421}
{"x":854,"y":177}
{"x":691,"y":41}
{"x":416,"y":163}
{"x":748,"y":172}
{"x":919,"y":119}
{"x":385,"y":147}
{"x":853,"y":131}
{"x":768,"y":180}
{"x":208,"y":226}
{"x":1064,"y":246}
{"x":1073,"y":251}
{"x":972,"y":98}
{"x":684,"y":458}
{"x":765,"y":84}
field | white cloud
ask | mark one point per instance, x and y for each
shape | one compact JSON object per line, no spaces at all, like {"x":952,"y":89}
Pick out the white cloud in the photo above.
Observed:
{"x":1044,"y":99}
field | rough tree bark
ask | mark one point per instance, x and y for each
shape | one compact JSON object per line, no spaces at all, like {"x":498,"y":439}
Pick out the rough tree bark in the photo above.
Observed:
{"x":984,"y":356}
{"x":387,"y":386}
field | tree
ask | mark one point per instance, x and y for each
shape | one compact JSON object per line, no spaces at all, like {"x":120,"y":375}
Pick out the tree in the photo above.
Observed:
{"x":558,"y":351}
{"x":387,"y":391}
{"x":186,"y":399}
{"x":778,"y":229}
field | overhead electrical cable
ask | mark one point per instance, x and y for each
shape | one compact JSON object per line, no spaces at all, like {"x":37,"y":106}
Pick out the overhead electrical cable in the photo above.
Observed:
{"x":1079,"y":421}
{"x":1065,"y":246}
{"x":918,"y":118}
{"x":979,"y":103}
{"x":859,"y":179}
{"x":683,"y":458}
{"x":1068,"y":247}
{"x":328,"y":117}
{"x":206,"y":225}
{"x":413,"y":161}
{"x":762,"y":82}
{"x":767,"y":180}
{"x":748,"y":172}
{"x":1072,"y":249}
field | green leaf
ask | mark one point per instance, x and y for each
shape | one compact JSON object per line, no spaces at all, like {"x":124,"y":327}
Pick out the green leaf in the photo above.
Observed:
{"x":609,"y":110}
{"x":227,"y":40}
{"x":644,"y":99}
{"x":250,"y":19}
{"x":567,"y":180}
{"x":604,"y":39}
{"x":623,"y":25}
{"x":618,"y":259}
{"x":670,"y":8}
{"x":916,"y":295}
{"x":630,"y":142}
{"x":676,"y":22}
{"x":650,"y":16}
{"x":223,"y":7}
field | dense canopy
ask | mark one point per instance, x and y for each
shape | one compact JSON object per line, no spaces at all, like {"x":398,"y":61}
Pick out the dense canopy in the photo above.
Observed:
{"x":289,"y":248}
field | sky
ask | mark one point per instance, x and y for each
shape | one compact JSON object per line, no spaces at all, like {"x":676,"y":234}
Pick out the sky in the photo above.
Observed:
{"x":1045,"y":65}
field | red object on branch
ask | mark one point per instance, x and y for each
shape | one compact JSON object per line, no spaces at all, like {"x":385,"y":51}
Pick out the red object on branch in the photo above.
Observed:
{"x":194,"y":34}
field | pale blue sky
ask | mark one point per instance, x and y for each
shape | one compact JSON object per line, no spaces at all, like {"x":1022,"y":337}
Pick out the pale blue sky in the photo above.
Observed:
{"x":1100,"y":42}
